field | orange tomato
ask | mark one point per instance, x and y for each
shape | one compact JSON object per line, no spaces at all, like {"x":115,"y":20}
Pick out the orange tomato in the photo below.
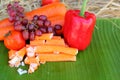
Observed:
{"x":14,"y":40}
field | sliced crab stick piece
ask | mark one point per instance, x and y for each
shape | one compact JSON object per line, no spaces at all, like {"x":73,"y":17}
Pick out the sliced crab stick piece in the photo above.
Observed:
{"x":63,"y":49}
{"x":29,"y":60}
{"x":56,"y":57}
{"x":32,"y":67}
{"x":46,"y":36}
{"x":59,"y":42}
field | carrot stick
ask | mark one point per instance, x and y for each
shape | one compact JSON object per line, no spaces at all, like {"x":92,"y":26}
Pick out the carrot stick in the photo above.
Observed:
{"x":63,"y":49}
{"x":37,"y":42}
{"x":46,"y":36}
{"x":59,"y":42}
{"x":56,"y":57}
{"x":4,"y":31}
{"x":53,"y":9}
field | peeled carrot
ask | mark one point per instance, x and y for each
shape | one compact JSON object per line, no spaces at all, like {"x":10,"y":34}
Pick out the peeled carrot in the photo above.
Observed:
{"x":5,"y":22}
{"x":57,"y":20}
{"x":63,"y":49}
{"x":4,"y":31}
{"x":53,"y":9}
{"x":56,"y":57}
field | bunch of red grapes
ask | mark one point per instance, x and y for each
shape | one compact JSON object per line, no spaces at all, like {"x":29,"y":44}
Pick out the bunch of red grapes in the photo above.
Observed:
{"x":36,"y":27}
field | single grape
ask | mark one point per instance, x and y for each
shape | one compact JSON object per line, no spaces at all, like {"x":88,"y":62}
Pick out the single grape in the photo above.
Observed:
{"x":25,"y":22}
{"x":31,"y":27}
{"x":17,"y":18}
{"x":17,"y":23}
{"x":43,"y":29}
{"x":32,"y":35}
{"x":47,"y":23}
{"x":50,"y":29}
{"x":42,"y":17}
{"x":13,"y":13}
{"x":11,"y":19}
{"x":40,"y":23}
{"x":57,"y":27}
{"x":35,"y":17}
{"x":38,"y":33}
{"x":20,"y":9}
{"x":25,"y":34}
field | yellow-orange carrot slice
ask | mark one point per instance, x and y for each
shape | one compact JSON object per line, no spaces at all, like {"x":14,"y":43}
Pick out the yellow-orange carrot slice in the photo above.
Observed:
{"x":37,"y":42}
{"x":55,"y":42}
{"x":56,"y":57}
{"x":46,"y":36}
{"x":56,"y":37}
{"x":63,"y":49}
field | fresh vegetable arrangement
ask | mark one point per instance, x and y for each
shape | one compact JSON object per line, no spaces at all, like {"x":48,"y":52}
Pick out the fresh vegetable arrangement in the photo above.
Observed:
{"x":47,"y":34}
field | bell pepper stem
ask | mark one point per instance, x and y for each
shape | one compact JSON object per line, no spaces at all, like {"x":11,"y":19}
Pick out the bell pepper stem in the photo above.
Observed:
{"x":82,"y":13}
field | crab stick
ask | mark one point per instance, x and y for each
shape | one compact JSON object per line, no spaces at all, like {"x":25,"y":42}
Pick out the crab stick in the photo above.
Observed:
{"x":46,"y":36}
{"x":63,"y":49}
{"x":56,"y":57}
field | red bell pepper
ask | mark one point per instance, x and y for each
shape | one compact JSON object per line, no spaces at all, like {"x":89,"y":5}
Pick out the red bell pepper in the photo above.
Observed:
{"x":78,"y":29}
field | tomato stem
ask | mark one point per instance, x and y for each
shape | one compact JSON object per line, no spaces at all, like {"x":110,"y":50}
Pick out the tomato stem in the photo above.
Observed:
{"x":82,"y":13}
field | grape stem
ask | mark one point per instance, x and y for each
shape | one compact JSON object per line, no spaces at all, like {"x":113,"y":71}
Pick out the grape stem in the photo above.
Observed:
{"x":82,"y":13}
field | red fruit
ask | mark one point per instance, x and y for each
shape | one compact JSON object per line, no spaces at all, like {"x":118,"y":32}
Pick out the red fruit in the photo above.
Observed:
{"x":25,"y":34}
{"x":14,"y":40}
{"x":32,"y":35}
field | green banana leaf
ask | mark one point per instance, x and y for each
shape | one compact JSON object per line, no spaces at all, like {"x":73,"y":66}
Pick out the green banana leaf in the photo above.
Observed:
{"x":100,"y":61}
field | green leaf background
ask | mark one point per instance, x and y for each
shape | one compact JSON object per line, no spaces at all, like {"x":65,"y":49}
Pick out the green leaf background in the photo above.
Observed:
{"x":100,"y":61}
